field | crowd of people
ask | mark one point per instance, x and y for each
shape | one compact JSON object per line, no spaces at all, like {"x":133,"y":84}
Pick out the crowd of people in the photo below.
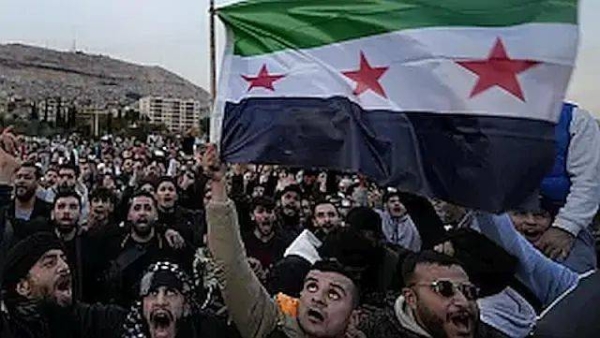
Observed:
{"x":121,"y":237}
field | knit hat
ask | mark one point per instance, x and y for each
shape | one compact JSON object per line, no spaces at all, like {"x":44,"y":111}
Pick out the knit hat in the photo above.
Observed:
{"x":365,"y":219}
{"x":157,"y":275}
{"x":23,"y":256}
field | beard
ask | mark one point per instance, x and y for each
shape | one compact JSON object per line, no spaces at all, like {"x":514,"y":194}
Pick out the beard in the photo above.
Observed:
{"x":66,"y":228}
{"x":433,"y":324}
{"x":143,"y":228}
{"x":24,"y":194}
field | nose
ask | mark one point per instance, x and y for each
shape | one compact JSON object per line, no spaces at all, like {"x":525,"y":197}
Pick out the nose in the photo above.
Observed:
{"x":459,"y":299}
{"x":318,"y":298}
{"x":161,"y":298}
{"x":529,"y":218}
{"x":63,"y":266}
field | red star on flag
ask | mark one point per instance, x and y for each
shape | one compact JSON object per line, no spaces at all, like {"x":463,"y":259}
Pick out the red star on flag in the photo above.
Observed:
{"x":367,"y":77}
{"x":263,"y":79}
{"x":498,"y":70}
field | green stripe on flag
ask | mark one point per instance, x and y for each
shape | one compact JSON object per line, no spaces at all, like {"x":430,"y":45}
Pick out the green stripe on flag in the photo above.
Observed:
{"x":266,"y":26}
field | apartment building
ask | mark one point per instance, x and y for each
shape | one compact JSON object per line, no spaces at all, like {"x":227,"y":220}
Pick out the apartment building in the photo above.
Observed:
{"x":177,"y":114}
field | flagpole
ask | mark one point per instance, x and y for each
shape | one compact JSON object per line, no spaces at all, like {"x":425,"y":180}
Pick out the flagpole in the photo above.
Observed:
{"x":213,"y":53}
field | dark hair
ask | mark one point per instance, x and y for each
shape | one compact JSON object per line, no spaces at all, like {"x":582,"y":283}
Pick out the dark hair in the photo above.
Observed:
{"x":29,"y":164}
{"x":365,"y":219}
{"x":164,"y":179}
{"x":321,"y":202}
{"x":425,"y":257}
{"x":66,"y":193}
{"x":103,"y":194}
{"x":352,"y":273}
{"x":290,"y":188}
{"x":389,"y":194}
{"x":141,"y":193}
{"x":262,"y":201}
{"x":146,"y":181}
{"x":69,"y":166}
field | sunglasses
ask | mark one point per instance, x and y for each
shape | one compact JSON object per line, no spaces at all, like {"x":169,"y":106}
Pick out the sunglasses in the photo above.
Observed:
{"x":448,"y":289}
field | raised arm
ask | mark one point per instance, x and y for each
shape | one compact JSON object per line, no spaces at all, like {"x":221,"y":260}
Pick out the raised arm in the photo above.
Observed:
{"x":250,"y":306}
{"x":546,"y":279}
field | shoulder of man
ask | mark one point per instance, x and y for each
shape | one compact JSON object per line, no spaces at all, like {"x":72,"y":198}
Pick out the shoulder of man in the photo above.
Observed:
{"x":100,"y":320}
{"x":382,"y":323}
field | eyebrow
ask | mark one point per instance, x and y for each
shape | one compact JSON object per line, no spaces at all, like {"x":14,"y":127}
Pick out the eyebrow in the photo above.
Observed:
{"x":310,"y":279}
{"x":338,"y":286}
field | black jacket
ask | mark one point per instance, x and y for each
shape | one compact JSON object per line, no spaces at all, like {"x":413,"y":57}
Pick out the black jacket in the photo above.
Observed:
{"x":50,"y":321}
{"x":190,"y":224}
{"x":384,"y":324}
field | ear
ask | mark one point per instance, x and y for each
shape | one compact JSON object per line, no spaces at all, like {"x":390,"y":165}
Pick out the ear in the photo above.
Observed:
{"x":52,"y":214}
{"x":186,"y":310}
{"x":410,"y":297}
{"x":24,"y":288}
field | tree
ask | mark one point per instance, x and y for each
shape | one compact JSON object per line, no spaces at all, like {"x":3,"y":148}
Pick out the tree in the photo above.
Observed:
{"x":34,"y":112}
{"x":46,"y":110}
{"x":59,"y":116}
{"x":73,"y":117}
{"x":205,"y":125}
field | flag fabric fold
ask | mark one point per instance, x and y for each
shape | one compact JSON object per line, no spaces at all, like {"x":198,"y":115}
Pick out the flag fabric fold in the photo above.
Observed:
{"x":455,"y":99}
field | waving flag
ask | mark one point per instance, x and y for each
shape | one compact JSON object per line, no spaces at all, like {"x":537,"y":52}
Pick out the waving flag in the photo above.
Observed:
{"x":455,"y":99}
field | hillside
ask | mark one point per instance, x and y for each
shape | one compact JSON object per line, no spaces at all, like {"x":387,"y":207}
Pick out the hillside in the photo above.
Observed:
{"x":37,"y":73}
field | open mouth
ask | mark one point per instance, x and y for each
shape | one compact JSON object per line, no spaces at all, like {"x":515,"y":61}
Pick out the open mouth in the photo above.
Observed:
{"x":531,"y":235}
{"x":315,"y":316}
{"x":161,"y":321}
{"x":63,"y":283}
{"x":463,"y":322}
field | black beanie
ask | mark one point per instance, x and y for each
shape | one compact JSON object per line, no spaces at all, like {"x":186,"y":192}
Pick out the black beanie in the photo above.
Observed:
{"x":365,"y":219}
{"x":23,"y":256}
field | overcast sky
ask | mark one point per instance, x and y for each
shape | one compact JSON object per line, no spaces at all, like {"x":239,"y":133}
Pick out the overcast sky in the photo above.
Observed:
{"x":174,"y":35}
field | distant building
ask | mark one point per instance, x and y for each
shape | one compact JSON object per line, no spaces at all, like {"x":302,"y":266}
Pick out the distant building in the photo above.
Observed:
{"x":48,"y":109}
{"x":3,"y":105}
{"x":177,"y":114}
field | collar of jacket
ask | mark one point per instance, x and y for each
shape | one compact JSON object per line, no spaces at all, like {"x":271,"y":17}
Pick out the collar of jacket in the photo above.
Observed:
{"x":407,"y":319}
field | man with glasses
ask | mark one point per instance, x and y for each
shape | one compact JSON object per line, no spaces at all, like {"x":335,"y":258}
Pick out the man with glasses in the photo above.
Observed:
{"x":438,"y":301}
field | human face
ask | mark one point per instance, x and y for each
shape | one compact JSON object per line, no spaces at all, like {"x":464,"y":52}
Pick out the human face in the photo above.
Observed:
{"x":258,"y":191}
{"x":326,"y":304}
{"x":162,"y":309}
{"x":264,"y":219}
{"x":395,"y":207}
{"x":128,"y":166}
{"x":66,"y":214}
{"x":166,"y":195}
{"x":67,"y":178}
{"x":309,"y":179}
{"x":306,"y":209}
{"x":290,"y":203}
{"x":49,"y":279}
{"x":50,"y":178}
{"x":451,"y":316}
{"x":26,"y":183}
{"x":142,"y":215}
{"x":101,"y":208}
{"x":532,"y":225}
{"x":109,"y":182}
{"x":84,"y":168}
{"x":148,"y":188}
{"x":326,"y":217}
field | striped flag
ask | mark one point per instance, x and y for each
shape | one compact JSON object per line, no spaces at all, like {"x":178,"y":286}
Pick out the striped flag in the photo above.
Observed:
{"x":455,"y":99}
